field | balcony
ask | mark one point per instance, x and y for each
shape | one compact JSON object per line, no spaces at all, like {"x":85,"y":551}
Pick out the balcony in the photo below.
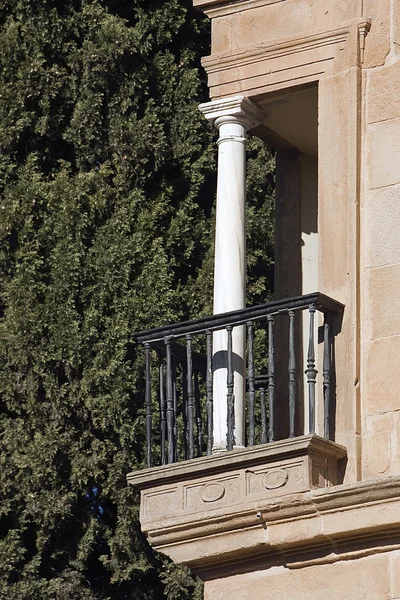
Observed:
{"x":194,"y":493}
{"x":182,"y":427}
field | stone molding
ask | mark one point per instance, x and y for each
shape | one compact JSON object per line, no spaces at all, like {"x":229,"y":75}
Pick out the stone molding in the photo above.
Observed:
{"x":286,"y":63}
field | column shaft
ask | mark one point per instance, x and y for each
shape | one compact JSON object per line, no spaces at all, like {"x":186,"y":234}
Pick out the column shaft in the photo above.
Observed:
{"x":233,"y":117}
{"x":230,"y":273}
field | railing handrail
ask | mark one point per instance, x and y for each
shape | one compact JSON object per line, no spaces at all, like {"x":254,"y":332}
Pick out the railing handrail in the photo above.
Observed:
{"x":322,"y":303}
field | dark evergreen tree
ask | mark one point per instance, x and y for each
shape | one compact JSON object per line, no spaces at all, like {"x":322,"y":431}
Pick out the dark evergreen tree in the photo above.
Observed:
{"x":107,"y":179}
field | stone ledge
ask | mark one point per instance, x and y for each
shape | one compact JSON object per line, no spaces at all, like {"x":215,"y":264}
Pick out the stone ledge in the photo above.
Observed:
{"x":240,"y":457}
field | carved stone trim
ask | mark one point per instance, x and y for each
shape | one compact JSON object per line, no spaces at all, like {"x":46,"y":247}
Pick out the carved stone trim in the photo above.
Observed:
{"x":363,"y":30}
{"x":278,"y":49}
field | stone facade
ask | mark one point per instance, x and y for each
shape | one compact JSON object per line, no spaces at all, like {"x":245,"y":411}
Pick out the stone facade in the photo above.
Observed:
{"x":300,"y":520}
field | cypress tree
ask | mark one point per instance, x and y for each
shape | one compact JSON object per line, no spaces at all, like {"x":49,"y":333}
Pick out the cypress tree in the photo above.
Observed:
{"x":107,"y":184}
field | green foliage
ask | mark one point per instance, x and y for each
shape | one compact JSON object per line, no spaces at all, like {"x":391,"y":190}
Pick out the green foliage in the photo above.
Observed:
{"x":107,"y":178}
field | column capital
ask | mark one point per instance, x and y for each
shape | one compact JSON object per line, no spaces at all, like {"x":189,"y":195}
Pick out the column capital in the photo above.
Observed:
{"x":237,"y":108}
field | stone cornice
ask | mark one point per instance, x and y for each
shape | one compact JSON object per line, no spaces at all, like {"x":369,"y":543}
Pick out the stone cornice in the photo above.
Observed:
{"x":279,"y":49}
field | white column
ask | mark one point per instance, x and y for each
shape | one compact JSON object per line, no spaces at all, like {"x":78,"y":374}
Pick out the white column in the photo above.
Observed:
{"x":233,"y":117}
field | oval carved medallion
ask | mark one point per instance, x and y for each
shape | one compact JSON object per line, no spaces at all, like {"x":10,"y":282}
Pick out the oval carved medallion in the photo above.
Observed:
{"x":212,"y":492}
{"x":275,"y":479}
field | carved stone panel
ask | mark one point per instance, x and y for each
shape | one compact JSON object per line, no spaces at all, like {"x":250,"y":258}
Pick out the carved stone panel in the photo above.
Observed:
{"x":277,"y":479}
{"x":160,"y":503}
{"x":212,"y":493}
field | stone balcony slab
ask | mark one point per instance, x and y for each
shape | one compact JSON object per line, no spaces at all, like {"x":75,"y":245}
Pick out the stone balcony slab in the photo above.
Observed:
{"x":226,"y":496}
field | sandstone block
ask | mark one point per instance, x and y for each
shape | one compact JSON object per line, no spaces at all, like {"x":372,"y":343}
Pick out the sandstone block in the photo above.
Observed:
{"x":284,"y":534}
{"x":360,"y":520}
{"x":396,"y":29}
{"x":221,"y":34}
{"x":380,"y":423}
{"x":364,"y":579}
{"x":333,"y":186}
{"x":395,"y":446}
{"x":395,"y":574}
{"x":377,"y":447}
{"x":384,"y":153}
{"x":381,"y":218}
{"x":378,"y":41}
{"x":383,"y":93}
{"x":380,"y":382}
{"x":282,"y":20}
{"x":381,"y":294}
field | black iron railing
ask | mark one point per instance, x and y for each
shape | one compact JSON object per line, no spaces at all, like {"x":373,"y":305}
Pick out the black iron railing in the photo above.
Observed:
{"x":179,"y":398}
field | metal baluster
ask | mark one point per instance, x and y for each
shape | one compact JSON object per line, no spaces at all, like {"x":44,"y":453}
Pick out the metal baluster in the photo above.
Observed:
{"x":263,"y":417}
{"x":292,"y":375}
{"x":148,"y":403}
{"x":199,"y":420}
{"x":170,"y":403}
{"x":209,"y":387}
{"x":311,"y":373}
{"x":189,"y":382}
{"x":185,"y":412}
{"x":175,"y":406}
{"x":250,"y":377}
{"x":327,"y":375}
{"x":271,"y":377}
{"x":230,"y":395}
{"x":163,"y":422}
